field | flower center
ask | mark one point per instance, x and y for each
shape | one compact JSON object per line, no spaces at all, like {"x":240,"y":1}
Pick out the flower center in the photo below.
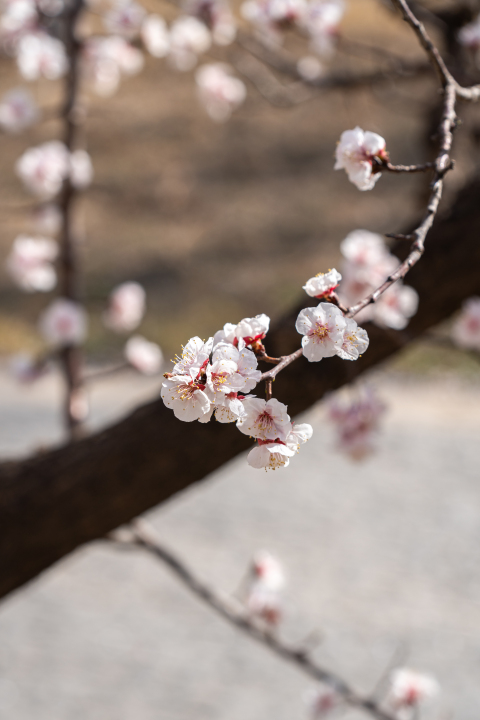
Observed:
{"x":319,"y":333}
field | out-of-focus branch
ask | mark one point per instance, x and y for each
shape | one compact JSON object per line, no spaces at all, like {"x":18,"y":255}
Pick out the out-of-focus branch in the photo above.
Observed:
{"x":143,"y":536}
{"x":70,"y":356}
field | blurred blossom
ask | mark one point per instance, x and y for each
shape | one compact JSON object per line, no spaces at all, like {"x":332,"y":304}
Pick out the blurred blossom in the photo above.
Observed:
{"x":26,"y":369}
{"x":321,"y":21}
{"x":217,"y":16}
{"x":469,"y":36}
{"x":81,"y":169}
{"x":47,"y":219}
{"x":155,"y":36}
{"x":44,"y":168}
{"x":408,"y":688}
{"x":368,"y":262}
{"x":466,"y":329}
{"x":144,"y":356}
{"x":30,"y":263}
{"x":219,"y":92}
{"x":125,"y":19}
{"x":310,"y":68}
{"x":63,"y":323}
{"x":355,"y":154}
{"x":126,"y":307}
{"x":320,"y":701}
{"x":107,"y":59}
{"x":264,"y":582}
{"x":52,"y":8}
{"x":17,"y":110}
{"x":189,"y":38}
{"x":357,"y":423}
{"x":271,"y":16}
{"x":17,"y":18}
{"x":40,"y":55}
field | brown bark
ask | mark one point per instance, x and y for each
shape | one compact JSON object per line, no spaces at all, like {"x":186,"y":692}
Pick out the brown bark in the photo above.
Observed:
{"x":53,"y":502}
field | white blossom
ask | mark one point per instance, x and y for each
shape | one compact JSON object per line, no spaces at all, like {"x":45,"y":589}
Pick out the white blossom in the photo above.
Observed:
{"x":126,"y":307}
{"x":217,"y":17}
{"x":222,"y":379}
{"x":466,"y":329}
{"x":323,"y":330}
{"x":17,"y":110}
{"x":185,"y":396}
{"x":17,"y":18}
{"x":355,"y":341}
{"x":267,"y":571}
{"x":323,"y":284}
{"x":44,"y":168}
{"x":219,"y":92}
{"x":64,"y":322}
{"x":394,"y":307}
{"x":81,"y":169}
{"x":355,"y":154}
{"x":363,"y":248}
{"x":298,"y":435}
{"x":106,"y":60}
{"x":195,"y":357}
{"x":248,"y":331}
{"x":270,"y":17}
{"x":266,"y":420}
{"x":143,"y":355}
{"x":40,"y":55}
{"x":30,"y":263}
{"x":246,"y":363}
{"x":125,"y":18}
{"x":189,"y":38}
{"x":321,"y":21}
{"x":155,"y":36}
{"x":264,"y":605}
{"x":229,"y":411}
{"x":469,"y":35}
{"x":357,"y":423}
{"x":310,"y":68}
{"x":409,"y":688}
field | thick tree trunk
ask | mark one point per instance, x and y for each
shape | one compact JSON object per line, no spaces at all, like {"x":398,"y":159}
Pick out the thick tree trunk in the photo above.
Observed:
{"x":53,"y":502}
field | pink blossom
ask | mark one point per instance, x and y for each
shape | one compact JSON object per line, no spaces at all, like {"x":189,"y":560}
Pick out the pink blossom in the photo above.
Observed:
{"x":126,"y":307}
{"x":355,"y":154}
{"x":265,"y":581}
{"x":469,"y":35}
{"x":64,"y":322}
{"x":267,"y":571}
{"x":81,"y":169}
{"x":466,"y":329}
{"x":323,"y":331}
{"x":154,"y":33}
{"x":217,"y":16}
{"x":272,"y":16}
{"x":323,"y":284}
{"x":125,"y":18}
{"x":321,"y":22}
{"x":264,"y":605}
{"x":409,"y":688}
{"x":106,"y":60}
{"x":357,"y":423}
{"x":44,"y":168}
{"x":26,"y":369}
{"x":40,"y":55}
{"x":17,"y":110}
{"x":219,"y":92}
{"x":267,"y":421}
{"x":18,"y":17}
{"x":395,"y":307}
{"x":189,"y":38}
{"x":144,"y":356}
{"x":30,"y":263}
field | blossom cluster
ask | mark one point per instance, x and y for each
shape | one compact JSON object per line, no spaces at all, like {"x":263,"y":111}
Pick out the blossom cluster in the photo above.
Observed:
{"x":367,"y":264}
{"x":356,"y":153}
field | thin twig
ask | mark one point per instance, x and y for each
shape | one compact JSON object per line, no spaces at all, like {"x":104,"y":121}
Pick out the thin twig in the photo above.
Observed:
{"x":234,"y":613}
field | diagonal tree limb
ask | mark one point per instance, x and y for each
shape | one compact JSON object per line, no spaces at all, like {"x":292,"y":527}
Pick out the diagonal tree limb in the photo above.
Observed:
{"x":53,"y":502}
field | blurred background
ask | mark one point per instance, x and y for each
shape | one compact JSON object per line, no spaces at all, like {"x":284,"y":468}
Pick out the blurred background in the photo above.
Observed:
{"x":220,"y":222}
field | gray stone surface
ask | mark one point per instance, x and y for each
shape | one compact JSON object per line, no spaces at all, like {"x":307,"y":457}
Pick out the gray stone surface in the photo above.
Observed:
{"x":380,"y":556}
